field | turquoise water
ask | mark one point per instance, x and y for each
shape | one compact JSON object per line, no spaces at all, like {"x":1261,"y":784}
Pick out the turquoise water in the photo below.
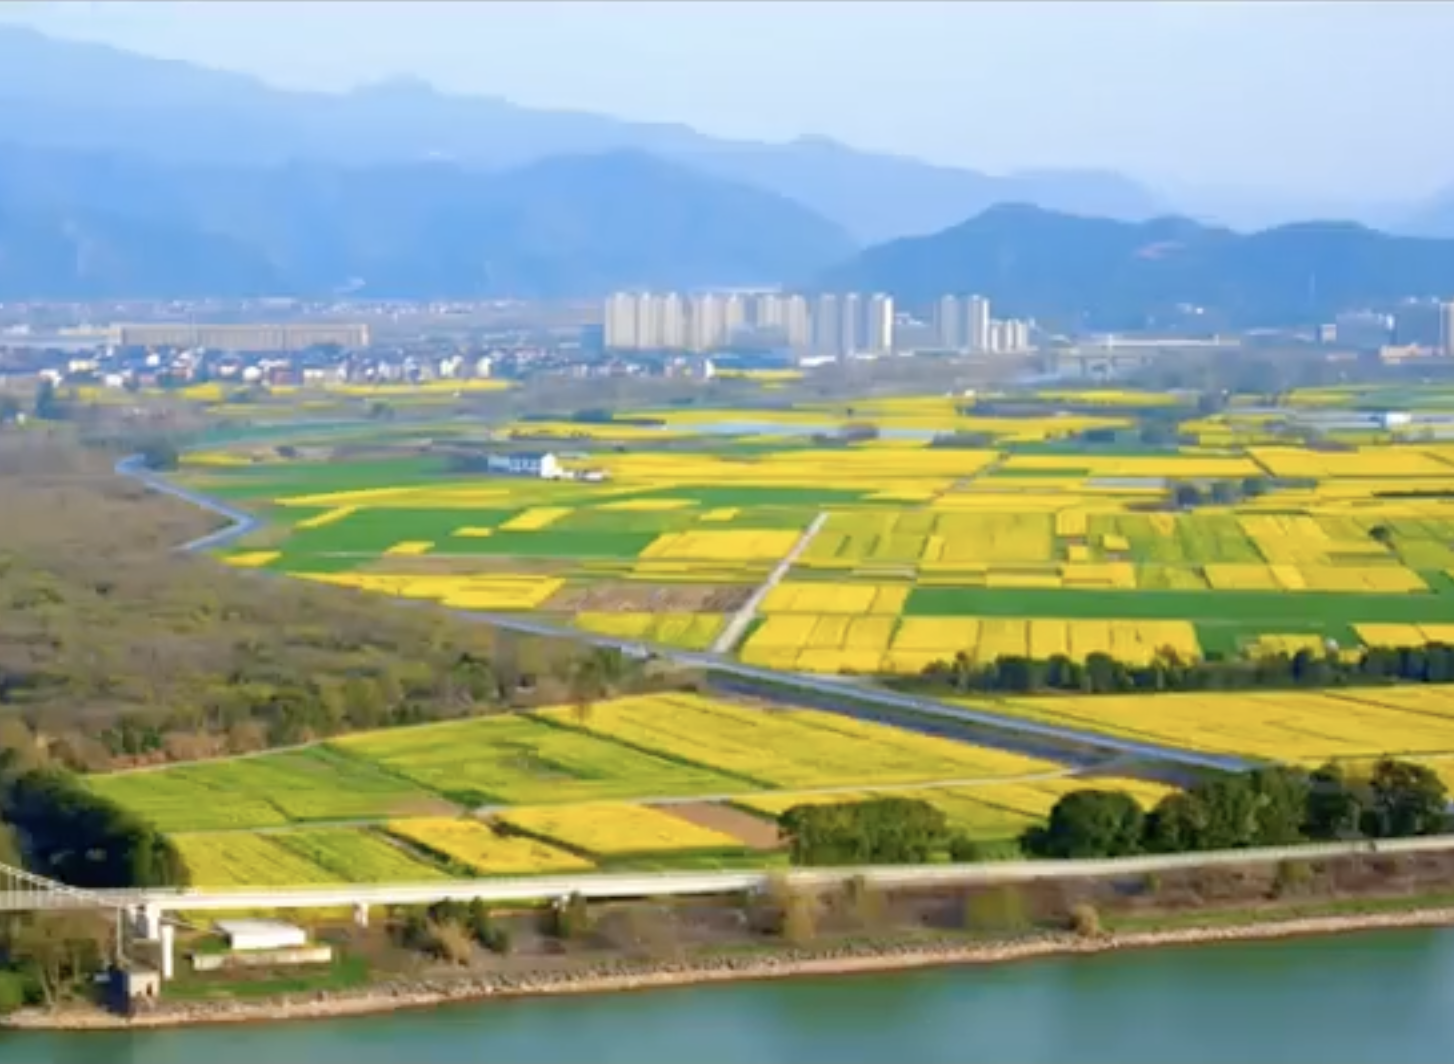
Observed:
{"x":1385,"y":998}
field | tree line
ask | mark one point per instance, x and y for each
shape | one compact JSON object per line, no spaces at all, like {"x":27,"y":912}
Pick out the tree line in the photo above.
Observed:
{"x":1277,"y":806}
{"x":68,"y":833}
{"x":879,"y":831}
{"x":1100,"y":673}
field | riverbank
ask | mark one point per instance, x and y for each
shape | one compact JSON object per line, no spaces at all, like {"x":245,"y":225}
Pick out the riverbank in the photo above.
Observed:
{"x":783,"y":964}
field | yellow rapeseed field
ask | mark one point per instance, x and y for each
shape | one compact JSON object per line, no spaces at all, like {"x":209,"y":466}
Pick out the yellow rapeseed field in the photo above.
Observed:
{"x":469,"y":592}
{"x":1397,"y":636}
{"x":801,"y":597}
{"x":1269,"y":643}
{"x":240,"y":859}
{"x":1168,"y":466}
{"x":808,"y":643}
{"x":535,"y":519}
{"x":791,"y":748}
{"x":1275,"y":725}
{"x":327,"y":517}
{"x":251,"y":559}
{"x":1374,"y":579}
{"x":747,"y":545}
{"x":473,"y":844}
{"x":615,"y":829}
{"x":410,"y":548}
{"x":1362,"y":462}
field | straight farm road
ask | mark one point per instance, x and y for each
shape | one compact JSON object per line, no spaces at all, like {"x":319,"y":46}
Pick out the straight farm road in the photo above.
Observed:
{"x":745,"y":616}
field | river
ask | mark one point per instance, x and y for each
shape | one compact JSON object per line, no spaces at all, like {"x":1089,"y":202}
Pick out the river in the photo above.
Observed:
{"x":1383,"y":998}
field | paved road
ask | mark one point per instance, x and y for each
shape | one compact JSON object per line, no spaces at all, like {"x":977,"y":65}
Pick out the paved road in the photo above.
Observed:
{"x":743,"y":617}
{"x":243,"y":523}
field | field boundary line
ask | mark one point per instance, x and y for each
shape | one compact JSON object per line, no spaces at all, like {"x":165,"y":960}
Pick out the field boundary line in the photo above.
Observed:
{"x":734,"y":628}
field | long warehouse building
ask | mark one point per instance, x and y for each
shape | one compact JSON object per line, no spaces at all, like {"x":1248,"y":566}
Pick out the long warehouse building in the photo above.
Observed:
{"x":245,"y":337}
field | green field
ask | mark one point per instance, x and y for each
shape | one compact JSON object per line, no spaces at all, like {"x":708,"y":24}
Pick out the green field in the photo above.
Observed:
{"x":296,"y":858}
{"x":318,"y":783}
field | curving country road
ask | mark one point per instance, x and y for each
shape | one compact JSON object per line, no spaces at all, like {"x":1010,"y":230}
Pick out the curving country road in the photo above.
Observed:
{"x":243,"y":523}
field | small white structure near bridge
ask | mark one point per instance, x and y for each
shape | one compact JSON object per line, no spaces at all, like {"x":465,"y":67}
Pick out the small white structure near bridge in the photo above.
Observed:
{"x":248,"y":935}
{"x":525,"y":464}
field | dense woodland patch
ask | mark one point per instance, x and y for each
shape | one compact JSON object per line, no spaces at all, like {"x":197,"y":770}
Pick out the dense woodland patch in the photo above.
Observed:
{"x":116,"y":650}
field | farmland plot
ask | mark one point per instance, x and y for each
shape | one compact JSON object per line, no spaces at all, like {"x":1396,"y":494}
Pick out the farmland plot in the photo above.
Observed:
{"x":616,"y":829}
{"x":358,"y":855}
{"x":520,"y":760}
{"x":238,"y":859}
{"x":298,"y":785}
{"x":793,"y":748}
{"x":478,"y":847}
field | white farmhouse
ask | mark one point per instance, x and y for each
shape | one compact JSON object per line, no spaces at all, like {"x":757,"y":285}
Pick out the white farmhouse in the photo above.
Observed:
{"x":525,"y":464}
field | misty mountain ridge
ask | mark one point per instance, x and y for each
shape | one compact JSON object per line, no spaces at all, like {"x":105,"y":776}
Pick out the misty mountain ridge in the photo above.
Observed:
{"x":1102,"y":273}
{"x":92,"y":225}
{"x":68,"y":94}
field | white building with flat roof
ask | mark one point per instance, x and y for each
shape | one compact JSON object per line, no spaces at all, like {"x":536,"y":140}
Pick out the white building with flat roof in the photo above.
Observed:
{"x":542,"y":464}
{"x":244,"y":935}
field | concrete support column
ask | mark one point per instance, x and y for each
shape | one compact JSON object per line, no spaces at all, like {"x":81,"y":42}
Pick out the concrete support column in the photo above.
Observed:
{"x":361,"y":913}
{"x":168,"y":950}
{"x":148,"y":922}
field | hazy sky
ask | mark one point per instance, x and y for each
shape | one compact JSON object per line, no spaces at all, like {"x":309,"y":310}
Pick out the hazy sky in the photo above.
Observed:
{"x":1328,"y":99}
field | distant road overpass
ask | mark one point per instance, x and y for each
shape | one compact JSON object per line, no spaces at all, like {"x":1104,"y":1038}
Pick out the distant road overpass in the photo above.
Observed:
{"x":243,"y":523}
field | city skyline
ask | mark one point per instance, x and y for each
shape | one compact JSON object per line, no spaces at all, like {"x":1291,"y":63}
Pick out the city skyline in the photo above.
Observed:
{"x":832,"y":324}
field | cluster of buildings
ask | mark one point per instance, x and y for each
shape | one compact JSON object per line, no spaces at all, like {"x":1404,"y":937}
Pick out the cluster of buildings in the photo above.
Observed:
{"x":1422,"y":325}
{"x":830,"y":324}
{"x":963,"y":323}
{"x":834,"y":324}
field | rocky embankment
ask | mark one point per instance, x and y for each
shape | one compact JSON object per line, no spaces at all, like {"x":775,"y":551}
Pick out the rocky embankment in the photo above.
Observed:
{"x":613,"y":976}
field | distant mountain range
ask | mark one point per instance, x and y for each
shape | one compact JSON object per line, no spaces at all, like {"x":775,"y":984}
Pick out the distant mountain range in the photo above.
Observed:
{"x":68,"y":94}
{"x":1099,"y":273}
{"x":123,"y":175}
{"x":84,"y":225}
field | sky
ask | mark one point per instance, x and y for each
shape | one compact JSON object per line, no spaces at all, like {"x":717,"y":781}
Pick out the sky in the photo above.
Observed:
{"x":1333,"y":100}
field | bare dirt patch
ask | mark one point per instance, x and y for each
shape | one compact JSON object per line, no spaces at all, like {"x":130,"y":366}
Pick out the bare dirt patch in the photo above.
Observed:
{"x":755,"y":832}
{"x":423,"y":807}
{"x":650,"y":598}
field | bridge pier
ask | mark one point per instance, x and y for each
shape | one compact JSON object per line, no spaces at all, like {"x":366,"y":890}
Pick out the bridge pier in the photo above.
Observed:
{"x":168,"y":951}
{"x":361,"y":914}
{"x":149,"y":922}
